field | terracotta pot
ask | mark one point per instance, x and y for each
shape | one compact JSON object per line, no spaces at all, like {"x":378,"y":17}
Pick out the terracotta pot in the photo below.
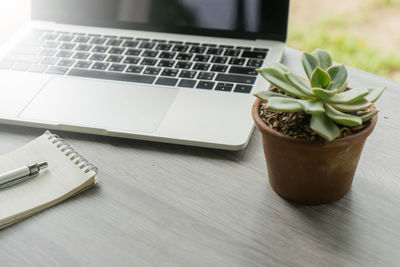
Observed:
{"x":310,"y":172}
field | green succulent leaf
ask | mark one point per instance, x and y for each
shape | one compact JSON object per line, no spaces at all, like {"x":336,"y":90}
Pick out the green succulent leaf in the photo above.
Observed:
{"x":338,"y":76}
{"x":309,"y":63}
{"x":368,"y":115}
{"x":284,"y":104}
{"x":279,"y":66}
{"x":324,"y":93}
{"x":324,"y":126}
{"x":330,"y":86}
{"x":312,"y":107}
{"x":320,"y":78}
{"x":342,"y":118}
{"x":350,"y":96}
{"x":359,"y":105}
{"x":279,"y":80}
{"x":266,"y":95}
{"x":299,"y":83}
{"x":374,"y":94}
{"x":324,"y":59}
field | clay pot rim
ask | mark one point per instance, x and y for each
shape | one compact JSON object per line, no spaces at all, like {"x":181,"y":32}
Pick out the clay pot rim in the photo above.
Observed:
{"x":264,"y":128}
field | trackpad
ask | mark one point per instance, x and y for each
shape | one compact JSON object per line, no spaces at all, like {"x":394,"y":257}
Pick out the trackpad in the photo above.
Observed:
{"x":101,"y":104}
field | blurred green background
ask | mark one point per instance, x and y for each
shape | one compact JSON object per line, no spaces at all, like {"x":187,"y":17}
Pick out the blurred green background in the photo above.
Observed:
{"x":361,"y":33}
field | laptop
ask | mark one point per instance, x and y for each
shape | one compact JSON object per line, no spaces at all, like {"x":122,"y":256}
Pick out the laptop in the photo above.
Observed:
{"x":175,"y":71}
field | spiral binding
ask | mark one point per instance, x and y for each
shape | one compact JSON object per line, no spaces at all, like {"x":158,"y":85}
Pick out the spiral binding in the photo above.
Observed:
{"x":77,"y":158}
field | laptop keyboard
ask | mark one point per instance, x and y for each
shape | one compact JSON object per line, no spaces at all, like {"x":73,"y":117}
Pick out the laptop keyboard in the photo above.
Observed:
{"x":205,"y":66}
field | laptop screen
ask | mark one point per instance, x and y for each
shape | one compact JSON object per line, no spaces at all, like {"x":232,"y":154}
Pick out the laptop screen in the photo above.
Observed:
{"x":252,"y":19}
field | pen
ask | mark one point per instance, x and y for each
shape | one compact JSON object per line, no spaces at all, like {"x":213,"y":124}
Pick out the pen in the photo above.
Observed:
{"x":21,"y":174}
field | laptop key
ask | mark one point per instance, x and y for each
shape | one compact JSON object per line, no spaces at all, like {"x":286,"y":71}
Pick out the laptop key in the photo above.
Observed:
{"x":187,"y":74}
{"x":257,"y":63}
{"x":261,"y":49}
{"x":149,"y":53}
{"x":143,"y":39}
{"x":180,"y":48}
{"x":48,"y":52}
{"x":175,"y":42}
{"x":183,"y":65}
{"x":51,"y":44}
{"x":254,"y":54}
{"x":197,"y":49}
{"x":201,"y":66}
{"x":98,"y":57}
{"x":64,"y":54}
{"x":149,"y":62}
{"x":226,"y":46}
{"x":167,"y":55}
{"x":20,"y":66}
{"x":205,"y":76}
{"x":134,"y":69}
{"x":56,"y":70}
{"x":131,"y":44}
{"x":67,"y":46}
{"x":147,"y":45}
{"x":166,"y":81}
{"x":226,"y":87}
{"x":133,"y":52}
{"x":184,"y":56}
{"x":237,"y":61}
{"x":232,"y":53}
{"x":116,"y":76}
{"x":241,"y":88}
{"x":205,"y":85}
{"x":49,"y":61}
{"x":100,"y":66}
{"x":98,"y":41}
{"x":114,"y":58}
{"x":117,"y":67}
{"x":38,"y":68}
{"x":244,"y":79}
{"x":243,"y":70}
{"x":152,"y":71}
{"x":163,"y":47}
{"x":215,"y":51}
{"x":83,"y":47}
{"x":166,"y":63}
{"x":219,"y":68}
{"x":82,"y":39}
{"x":66,"y":62}
{"x":50,"y":36}
{"x":187,"y":83}
{"x":201,"y":58}
{"x":170,"y":72}
{"x":116,"y":50}
{"x":114,"y":42}
{"x":23,"y":58}
{"x":132,"y":60}
{"x":81,"y":55}
{"x":83,"y":64}
{"x":219,"y":60}
{"x":5,"y":65}
{"x":99,"y":49}
{"x":159,"y":41}
{"x":66,"y":38}
{"x":209,"y":45}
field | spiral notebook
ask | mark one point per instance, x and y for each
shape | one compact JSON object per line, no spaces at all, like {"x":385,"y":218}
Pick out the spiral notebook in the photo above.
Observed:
{"x":68,"y":174}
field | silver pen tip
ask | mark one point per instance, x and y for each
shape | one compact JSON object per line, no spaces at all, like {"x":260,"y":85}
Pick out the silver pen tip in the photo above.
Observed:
{"x":43,"y":165}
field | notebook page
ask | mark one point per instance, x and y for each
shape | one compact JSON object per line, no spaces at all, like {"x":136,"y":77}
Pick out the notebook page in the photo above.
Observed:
{"x":62,"y":178}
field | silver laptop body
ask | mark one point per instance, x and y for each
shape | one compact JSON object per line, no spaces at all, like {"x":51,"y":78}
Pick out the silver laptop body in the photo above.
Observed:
{"x":123,"y":71}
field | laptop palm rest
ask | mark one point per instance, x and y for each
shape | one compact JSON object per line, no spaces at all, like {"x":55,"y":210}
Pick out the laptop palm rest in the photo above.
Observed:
{"x":101,"y":104}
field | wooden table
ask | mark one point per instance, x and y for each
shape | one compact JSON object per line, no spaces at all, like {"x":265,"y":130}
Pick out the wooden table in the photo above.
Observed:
{"x":169,"y":205}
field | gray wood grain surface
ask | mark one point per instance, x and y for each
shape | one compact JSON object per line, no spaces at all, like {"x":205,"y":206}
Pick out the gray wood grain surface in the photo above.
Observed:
{"x":169,"y":205}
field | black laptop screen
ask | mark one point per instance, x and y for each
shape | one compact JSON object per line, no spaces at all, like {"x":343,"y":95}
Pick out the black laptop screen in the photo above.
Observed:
{"x":255,"y":19}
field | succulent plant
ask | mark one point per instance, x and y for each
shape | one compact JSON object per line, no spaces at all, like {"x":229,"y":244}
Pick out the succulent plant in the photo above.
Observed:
{"x":324,"y":95}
